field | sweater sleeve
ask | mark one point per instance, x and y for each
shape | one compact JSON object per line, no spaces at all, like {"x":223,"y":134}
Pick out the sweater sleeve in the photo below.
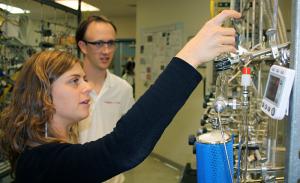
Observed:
{"x":131,"y":141}
{"x":138,"y":131}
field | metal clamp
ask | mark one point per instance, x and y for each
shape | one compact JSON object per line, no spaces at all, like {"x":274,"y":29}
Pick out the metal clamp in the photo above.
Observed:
{"x":271,"y":33}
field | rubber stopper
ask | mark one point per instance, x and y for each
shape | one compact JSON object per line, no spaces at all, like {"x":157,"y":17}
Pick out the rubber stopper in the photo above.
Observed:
{"x":246,"y":70}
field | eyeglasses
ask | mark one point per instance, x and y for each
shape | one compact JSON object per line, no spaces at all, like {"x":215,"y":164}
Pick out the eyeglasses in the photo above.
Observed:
{"x":100,"y":44}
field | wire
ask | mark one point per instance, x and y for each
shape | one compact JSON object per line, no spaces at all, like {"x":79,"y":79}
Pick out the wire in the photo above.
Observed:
{"x":225,"y":148}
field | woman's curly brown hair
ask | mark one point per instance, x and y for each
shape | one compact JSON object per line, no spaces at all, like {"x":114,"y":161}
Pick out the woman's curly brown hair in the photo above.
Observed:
{"x":22,"y":123}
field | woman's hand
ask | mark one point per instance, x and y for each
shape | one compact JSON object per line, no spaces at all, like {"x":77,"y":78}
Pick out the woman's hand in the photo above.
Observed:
{"x":210,"y":41}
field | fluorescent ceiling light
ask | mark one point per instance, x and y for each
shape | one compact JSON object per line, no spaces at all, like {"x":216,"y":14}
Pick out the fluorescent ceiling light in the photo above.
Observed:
{"x":74,"y":5}
{"x":13,"y":9}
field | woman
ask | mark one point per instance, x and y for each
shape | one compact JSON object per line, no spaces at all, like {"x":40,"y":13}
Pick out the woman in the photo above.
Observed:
{"x":51,"y":95}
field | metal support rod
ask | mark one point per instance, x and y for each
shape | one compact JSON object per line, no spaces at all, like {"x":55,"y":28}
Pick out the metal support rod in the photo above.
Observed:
{"x":268,"y":169}
{"x":245,"y":106}
{"x":260,"y":180}
{"x":275,"y":12}
{"x":292,"y":162}
{"x":261,"y":14}
{"x":247,"y":28}
{"x":79,"y":12}
{"x":253,"y":23}
{"x":78,"y":22}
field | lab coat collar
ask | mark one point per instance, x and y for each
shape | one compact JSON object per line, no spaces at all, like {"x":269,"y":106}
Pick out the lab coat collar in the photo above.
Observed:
{"x":108,"y":83}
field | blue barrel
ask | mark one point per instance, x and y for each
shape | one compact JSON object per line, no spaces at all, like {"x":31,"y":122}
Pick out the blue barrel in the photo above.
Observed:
{"x":212,"y":164}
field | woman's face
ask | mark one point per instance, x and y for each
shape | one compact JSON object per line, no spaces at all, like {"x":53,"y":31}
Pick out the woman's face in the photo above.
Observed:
{"x":70,"y":94}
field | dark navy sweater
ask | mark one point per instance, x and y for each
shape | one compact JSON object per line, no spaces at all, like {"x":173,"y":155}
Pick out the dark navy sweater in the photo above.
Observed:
{"x":129,"y":144}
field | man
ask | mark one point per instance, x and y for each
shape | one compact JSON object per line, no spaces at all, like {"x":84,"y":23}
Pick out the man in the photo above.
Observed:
{"x":111,"y":95}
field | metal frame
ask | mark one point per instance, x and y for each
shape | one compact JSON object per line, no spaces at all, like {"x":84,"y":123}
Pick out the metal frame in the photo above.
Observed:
{"x":292,"y":170}
{"x":77,"y":12}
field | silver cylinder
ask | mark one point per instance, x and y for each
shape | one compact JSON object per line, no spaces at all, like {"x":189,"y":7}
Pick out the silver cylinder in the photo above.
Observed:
{"x":293,"y":131}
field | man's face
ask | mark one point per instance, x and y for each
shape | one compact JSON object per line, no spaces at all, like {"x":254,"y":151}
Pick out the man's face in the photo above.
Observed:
{"x":98,"y":45}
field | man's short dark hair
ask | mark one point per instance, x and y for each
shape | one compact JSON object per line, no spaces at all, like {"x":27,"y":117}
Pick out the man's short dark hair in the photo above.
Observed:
{"x":80,"y":32}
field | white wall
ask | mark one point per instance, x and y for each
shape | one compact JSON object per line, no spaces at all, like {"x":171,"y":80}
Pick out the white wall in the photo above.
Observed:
{"x":193,"y":14}
{"x":126,"y":27}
